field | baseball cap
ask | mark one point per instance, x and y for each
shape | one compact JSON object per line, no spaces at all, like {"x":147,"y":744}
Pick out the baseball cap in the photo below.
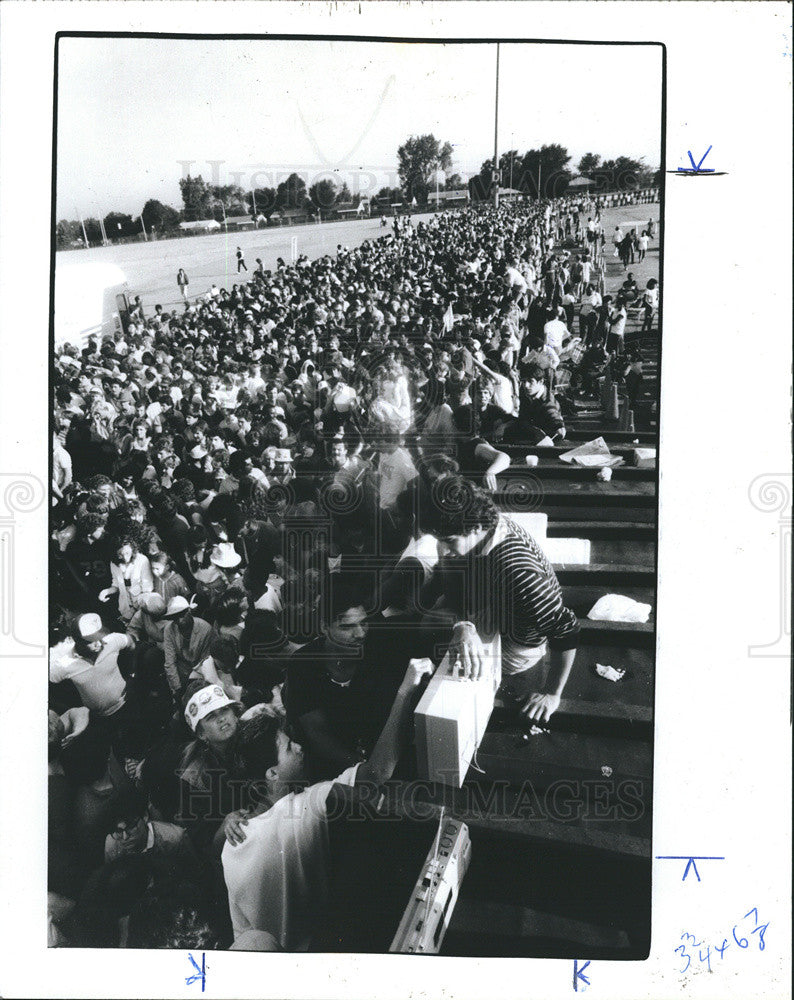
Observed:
{"x":177,"y":606}
{"x":153,"y":603}
{"x":90,"y":627}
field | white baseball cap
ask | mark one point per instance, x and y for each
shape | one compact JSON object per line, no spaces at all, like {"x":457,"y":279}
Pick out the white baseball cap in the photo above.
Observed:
{"x":178,"y":605}
{"x":207,"y":700}
{"x":90,"y":627}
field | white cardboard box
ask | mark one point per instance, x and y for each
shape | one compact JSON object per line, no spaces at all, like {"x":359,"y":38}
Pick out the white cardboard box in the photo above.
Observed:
{"x":451,"y":718}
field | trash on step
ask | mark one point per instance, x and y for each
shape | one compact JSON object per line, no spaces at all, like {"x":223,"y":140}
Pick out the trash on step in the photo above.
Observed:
{"x":532,"y":461}
{"x":609,"y":673}
{"x":617,"y":608}
{"x":604,"y":475}
{"x":606,"y":771}
{"x":643,"y":458}
{"x":594,"y":454}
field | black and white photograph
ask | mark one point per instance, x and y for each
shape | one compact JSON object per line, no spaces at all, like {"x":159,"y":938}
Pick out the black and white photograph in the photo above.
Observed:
{"x":395,"y":499}
{"x":354,"y":520}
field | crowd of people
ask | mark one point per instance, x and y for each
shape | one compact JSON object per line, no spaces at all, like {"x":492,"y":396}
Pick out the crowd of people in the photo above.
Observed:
{"x":261,"y":506}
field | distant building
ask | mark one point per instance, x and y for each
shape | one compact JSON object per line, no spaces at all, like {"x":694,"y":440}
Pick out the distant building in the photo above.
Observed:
{"x":200,"y":226}
{"x":290,"y":215}
{"x":510,"y":194}
{"x":240,"y":222}
{"x":580,"y":185}
{"x":347,"y":210}
{"x":448,"y":199}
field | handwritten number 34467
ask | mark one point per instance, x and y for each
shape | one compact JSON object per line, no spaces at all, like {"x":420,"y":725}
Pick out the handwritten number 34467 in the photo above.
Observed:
{"x":742,"y":942}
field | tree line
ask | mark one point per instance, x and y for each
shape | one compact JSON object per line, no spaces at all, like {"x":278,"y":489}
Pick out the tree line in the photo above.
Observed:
{"x":201,"y":200}
{"x":423,"y":163}
{"x":546,"y":173}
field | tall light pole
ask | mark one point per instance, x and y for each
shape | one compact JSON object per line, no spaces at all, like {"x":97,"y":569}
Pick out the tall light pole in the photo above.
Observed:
{"x":143,"y":227}
{"x":496,"y":136}
{"x":82,"y":226}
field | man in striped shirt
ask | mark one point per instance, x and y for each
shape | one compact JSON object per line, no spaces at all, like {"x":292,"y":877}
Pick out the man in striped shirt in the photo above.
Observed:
{"x":499,"y":580}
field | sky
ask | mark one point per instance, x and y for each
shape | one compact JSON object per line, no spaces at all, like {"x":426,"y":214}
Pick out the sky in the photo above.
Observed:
{"x":135,"y":115}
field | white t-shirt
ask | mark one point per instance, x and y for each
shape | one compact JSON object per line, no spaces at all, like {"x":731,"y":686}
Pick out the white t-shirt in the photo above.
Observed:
{"x":503,"y":394}
{"x":617,"y":322}
{"x":254,"y":385}
{"x":277,"y":879}
{"x":514,"y":277}
{"x":396,"y":471}
{"x":425,"y":550}
{"x":651,"y":297}
{"x":555,"y":331}
{"x":590,"y":303}
{"x":100,"y":684}
{"x":226,"y":396}
{"x":269,"y":600}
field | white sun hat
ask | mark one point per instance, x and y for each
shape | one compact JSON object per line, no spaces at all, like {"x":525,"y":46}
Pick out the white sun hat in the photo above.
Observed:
{"x":207,"y":700}
{"x":225,"y":556}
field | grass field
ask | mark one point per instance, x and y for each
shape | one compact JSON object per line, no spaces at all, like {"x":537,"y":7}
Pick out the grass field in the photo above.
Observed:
{"x":151,"y":267}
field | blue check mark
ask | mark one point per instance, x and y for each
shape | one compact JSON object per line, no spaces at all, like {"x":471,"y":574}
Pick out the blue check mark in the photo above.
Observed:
{"x":697,"y":168}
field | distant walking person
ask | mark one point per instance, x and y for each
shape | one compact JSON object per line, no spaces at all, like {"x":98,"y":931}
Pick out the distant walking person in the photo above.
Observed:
{"x":650,"y":303}
{"x":183,"y":282}
{"x":240,"y":261}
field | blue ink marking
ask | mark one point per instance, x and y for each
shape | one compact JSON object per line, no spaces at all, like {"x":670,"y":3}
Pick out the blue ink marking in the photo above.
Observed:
{"x":691,"y":864}
{"x":200,"y":973}
{"x":742,"y":942}
{"x":697,"y":168}
{"x":721,"y":947}
{"x":690,"y":859}
{"x":579,"y":974}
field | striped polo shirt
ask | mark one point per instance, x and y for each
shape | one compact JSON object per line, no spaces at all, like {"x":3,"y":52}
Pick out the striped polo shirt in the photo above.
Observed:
{"x":513,"y":589}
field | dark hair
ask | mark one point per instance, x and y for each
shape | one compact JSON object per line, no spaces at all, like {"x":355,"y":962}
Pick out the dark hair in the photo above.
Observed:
{"x":173,"y":913}
{"x":262,"y":634}
{"x":342,"y":592}
{"x":88,"y":522}
{"x":456,"y":507}
{"x":430,"y":467}
{"x":224,"y":650}
{"x":125,"y":538}
{"x":531,"y":372}
{"x":228,"y":607}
